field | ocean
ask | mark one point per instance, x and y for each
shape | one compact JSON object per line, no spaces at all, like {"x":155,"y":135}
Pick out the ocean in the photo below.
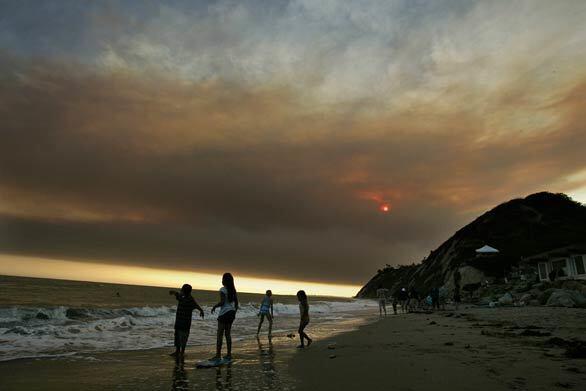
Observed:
{"x":55,"y":318}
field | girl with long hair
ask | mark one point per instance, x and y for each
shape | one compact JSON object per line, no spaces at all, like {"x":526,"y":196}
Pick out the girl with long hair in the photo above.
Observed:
{"x":228,"y":306}
{"x":304,"y":318}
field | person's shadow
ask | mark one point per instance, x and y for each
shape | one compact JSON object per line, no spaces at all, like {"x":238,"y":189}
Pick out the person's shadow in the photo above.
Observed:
{"x":180,"y":381}
{"x":221,"y":383}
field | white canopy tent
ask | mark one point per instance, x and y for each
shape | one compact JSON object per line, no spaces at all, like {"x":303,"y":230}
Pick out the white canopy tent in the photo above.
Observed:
{"x":486,"y":249}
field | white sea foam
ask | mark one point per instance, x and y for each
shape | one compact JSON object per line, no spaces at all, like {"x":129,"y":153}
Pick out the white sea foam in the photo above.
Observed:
{"x":37,"y":332}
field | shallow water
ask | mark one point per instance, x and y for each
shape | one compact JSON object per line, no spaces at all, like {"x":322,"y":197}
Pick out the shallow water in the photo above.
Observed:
{"x":46,"y":318}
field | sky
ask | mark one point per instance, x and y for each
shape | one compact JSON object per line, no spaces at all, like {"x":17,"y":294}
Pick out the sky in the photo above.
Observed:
{"x":264,"y":138}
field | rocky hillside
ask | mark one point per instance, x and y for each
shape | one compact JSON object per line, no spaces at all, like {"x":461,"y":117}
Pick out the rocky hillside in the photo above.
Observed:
{"x":520,"y":227}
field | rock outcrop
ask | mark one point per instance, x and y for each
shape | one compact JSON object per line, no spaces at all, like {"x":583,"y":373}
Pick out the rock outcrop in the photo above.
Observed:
{"x":520,"y":227}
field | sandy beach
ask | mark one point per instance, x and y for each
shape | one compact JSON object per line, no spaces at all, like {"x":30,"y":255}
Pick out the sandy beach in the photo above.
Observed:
{"x":257,"y":365}
{"x":471,"y":349}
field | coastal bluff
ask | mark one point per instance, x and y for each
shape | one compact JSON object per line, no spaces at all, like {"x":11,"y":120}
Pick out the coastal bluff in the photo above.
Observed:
{"x":517,"y":228}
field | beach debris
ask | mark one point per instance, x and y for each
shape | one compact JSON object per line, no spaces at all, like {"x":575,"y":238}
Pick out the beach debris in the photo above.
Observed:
{"x":332,"y":346}
{"x":332,"y":356}
{"x":576,"y":349}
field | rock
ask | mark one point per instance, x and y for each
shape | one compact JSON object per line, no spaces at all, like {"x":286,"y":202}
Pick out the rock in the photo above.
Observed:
{"x":332,"y":356}
{"x":544,"y":297}
{"x":566,"y":298}
{"x":449,"y":344}
{"x":576,"y":349}
{"x":332,"y":346}
{"x":506,"y":299}
{"x":526,"y":298}
{"x":42,"y":316}
{"x":471,"y":275}
{"x":574,"y":285}
{"x":432,"y":322}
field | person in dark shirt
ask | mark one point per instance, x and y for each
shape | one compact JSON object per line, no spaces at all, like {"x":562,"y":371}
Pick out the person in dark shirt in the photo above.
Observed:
{"x":185,"y":306}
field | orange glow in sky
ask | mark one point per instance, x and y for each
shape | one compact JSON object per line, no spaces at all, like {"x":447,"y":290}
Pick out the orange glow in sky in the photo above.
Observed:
{"x":385,"y":208}
{"x":137,"y":275}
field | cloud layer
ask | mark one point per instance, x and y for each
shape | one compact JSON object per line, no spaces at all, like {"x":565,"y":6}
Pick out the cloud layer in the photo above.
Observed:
{"x":262,"y":140}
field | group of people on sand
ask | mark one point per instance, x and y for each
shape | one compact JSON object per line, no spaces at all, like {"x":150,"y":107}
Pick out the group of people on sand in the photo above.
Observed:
{"x":228,"y":307}
{"x":411,"y":301}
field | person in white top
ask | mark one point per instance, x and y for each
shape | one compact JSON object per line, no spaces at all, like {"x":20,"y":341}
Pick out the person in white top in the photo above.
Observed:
{"x":382,"y":293}
{"x":228,"y":306}
{"x":266,"y":310}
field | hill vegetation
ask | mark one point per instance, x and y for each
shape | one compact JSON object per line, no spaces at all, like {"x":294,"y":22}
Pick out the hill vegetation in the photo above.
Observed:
{"x":517,"y":228}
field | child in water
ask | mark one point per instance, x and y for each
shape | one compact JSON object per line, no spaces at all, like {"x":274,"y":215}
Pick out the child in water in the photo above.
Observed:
{"x":228,"y":306}
{"x":304,"y":318}
{"x":266,"y":309}
{"x":185,"y":306}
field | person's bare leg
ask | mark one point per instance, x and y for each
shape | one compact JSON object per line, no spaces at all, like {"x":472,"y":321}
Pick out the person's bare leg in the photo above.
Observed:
{"x":220,"y":336}
{"x":262,"y":318}
{"x":270,"y":317}
{"x":228,"y":332}
{"x":301,"y":334}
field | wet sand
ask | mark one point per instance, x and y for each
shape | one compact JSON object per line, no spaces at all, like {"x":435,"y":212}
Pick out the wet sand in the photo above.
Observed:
{"x":471,"y":349}
{"x":257,"y":365}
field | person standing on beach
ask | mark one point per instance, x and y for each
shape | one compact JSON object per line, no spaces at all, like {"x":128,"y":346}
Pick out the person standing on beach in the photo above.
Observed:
{"x":266,"y":310}
{"x":304,"y":314}
{"x":435,"y":298}
{"x":413,"y":299}
{"x":457,"y":281}
{"x":382,"y":293}
{"x":228,"y":306}
{"x":403,"y":298}
{"x":185,"y":306}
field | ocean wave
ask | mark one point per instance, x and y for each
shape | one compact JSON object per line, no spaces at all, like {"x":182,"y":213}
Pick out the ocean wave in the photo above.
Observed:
{"x":42,"y":331}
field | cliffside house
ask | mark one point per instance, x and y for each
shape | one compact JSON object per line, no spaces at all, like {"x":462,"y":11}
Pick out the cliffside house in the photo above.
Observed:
{"x":567,"y":262}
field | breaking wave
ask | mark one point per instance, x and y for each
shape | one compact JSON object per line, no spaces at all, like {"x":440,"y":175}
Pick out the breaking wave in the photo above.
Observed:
{"x":37,"y":332}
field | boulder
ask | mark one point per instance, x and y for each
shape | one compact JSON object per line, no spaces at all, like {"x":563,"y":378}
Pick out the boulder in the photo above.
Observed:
{"x":574,"y":285}
{"x":544,"y":297}
{"x":526,"y":299}
{"x":566,"y":298}
{"x":471,"y":275}
{"x":506,"y":299}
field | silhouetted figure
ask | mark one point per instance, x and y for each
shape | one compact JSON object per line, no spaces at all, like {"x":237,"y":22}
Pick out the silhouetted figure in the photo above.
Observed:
{"x":435,"y":298}
{"x":403,"y":298}
{"x":381,"y":294}
{"x":185,"y":306}
{"x":304,"y":319}
{"x":266,"y":310}
{"x":228,"y":306}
